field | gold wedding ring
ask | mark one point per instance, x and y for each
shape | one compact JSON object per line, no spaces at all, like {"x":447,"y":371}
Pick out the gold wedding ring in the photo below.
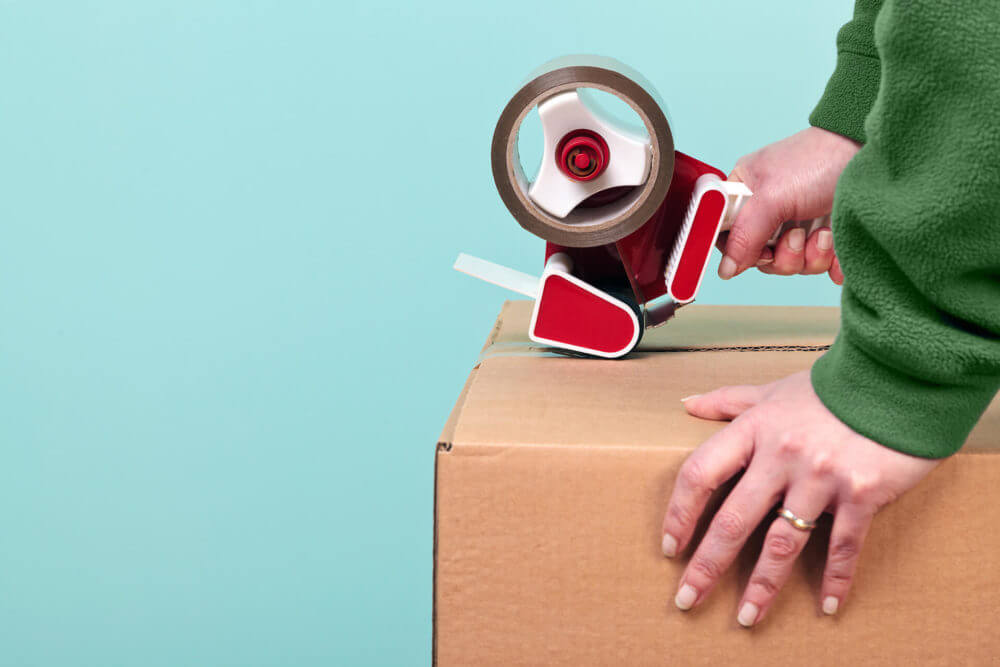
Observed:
{"x":789,"y":516}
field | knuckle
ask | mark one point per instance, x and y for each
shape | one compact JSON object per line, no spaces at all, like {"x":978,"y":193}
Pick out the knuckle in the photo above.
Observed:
{"x":730,"y":526}
{"x":749,"y":420}
{"x":692,"y":475}
{"x":836,"y":578}
{"x":821,"y":465}
{"x":843,"y":551}
{"x":775,"y":192}
{"x":739,"y":240}
{"x":680,"y":515}
{"x":706,"y":567}
{"x":863,"y":488}
{"x":780,"y":547}
{"x":818,"y":265}
{"x":765,"y":584}
{"x":783,"y":268}
{"x":789,"y":445}
{"x":762,"y":413}
{"x":794,"y":263}
{"x":747,"y":168}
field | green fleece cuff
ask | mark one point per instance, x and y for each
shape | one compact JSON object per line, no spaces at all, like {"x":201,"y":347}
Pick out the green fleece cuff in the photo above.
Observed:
{"x":895,"y":409}
{"x":849,"y":95}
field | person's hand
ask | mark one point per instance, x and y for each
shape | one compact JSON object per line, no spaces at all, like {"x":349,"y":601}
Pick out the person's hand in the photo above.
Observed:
{"x":792,"y":179}
{"x":794,"y":451}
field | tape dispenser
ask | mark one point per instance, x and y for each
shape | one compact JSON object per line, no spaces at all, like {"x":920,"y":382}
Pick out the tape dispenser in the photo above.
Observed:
{"x":629,"y":222}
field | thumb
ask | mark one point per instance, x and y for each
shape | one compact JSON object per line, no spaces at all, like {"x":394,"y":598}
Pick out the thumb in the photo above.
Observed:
{"x":754,"y":225}
{"x":725,"y":403}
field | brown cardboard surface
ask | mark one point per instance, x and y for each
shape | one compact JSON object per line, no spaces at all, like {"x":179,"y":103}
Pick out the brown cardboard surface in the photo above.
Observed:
{"x":553,"y":474}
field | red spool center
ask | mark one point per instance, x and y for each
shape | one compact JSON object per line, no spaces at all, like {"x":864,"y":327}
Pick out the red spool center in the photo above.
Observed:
{"x":582,"y":155}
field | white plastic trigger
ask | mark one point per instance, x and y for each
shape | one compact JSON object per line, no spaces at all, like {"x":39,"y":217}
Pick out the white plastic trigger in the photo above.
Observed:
{"x":737,"y":194}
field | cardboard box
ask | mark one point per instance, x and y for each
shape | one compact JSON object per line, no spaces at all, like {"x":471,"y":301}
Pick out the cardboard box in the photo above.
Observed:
{"x":553,"y":473}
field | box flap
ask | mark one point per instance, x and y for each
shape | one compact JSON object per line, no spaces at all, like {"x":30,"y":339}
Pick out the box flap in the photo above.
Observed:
{"x":524,"y":394}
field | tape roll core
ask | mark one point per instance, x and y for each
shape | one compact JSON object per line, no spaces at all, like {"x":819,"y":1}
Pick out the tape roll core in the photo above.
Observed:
{"x":639,"y":206}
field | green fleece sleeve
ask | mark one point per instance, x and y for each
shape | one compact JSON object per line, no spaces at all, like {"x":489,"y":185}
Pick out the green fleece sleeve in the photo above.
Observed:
{"x":916,"y":223}
{"x":851,"y":90}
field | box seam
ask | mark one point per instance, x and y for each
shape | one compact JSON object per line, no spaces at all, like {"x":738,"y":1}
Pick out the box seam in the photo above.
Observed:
{"x":434,"y":568}
{"x":481,"y":448}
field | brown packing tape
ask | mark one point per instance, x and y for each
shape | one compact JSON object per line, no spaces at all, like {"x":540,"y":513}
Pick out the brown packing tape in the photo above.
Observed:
{"x":562,"y":75}
{"x":695,"y":328}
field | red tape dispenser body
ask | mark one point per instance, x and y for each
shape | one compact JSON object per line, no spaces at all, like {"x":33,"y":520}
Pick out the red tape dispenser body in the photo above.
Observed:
{"x":629,"y":221}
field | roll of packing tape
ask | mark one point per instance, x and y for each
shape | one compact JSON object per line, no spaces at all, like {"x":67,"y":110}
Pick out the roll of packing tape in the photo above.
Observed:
{"x":592,"y":224}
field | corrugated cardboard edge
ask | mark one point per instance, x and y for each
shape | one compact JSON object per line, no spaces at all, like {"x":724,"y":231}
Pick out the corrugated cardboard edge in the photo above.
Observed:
{"x":446,"y":438}
{"x":444,"y":444}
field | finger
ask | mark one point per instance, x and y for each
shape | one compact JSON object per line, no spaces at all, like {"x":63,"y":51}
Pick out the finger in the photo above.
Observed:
{"x":765,"y":261}
{"x":746,"y":505}
{"x":766,"y":257}
{"x":739,"y":172}
{"x":836,"y":274}
{"x":789,"y":253}
{"x":819,"y":252}
{"x":751,"y":230}
{"x":782,"y":546}
{"x":706,"y":469}
{"x":724,"y":403}
{"x":850,"y":526}
{"x":721,"y":240}
{"x":766,"y":253}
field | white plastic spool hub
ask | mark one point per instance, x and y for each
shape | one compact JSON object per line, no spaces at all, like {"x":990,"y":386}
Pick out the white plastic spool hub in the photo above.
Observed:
{"x":628,"y":155}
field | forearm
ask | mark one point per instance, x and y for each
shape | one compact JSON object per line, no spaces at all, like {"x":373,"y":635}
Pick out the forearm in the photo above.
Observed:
{"x":854,"y":84}
{"x":917,"y":229}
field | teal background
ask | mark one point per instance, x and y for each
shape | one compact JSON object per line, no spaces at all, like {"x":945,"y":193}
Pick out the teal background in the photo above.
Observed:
{"x":229,"y":331}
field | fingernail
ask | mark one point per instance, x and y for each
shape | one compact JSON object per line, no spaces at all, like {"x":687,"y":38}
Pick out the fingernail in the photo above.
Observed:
{"x":765,"y":260}
{"x":824,"y":240}
{"x":669,"y":545}
{"x":727,"y":268}
{"x":748,"y":614}
{"x":686,"y":597}
{"x":688,"y":398}
{"x":830,"y":605}
{"x":796,"y":239}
